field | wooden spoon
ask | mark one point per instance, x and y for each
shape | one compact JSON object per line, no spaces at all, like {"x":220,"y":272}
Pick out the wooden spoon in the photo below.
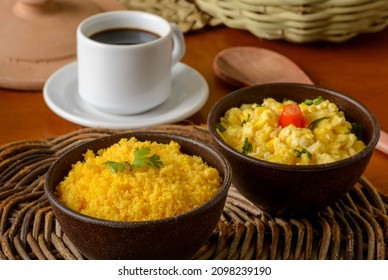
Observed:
{"x":246,"y":66}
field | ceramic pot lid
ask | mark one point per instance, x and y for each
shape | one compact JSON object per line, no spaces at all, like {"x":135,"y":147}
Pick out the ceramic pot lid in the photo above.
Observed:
{"x":39,"y":36}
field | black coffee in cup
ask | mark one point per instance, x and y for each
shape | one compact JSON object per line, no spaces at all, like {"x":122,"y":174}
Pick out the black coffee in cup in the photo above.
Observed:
{"x":124,"y":36}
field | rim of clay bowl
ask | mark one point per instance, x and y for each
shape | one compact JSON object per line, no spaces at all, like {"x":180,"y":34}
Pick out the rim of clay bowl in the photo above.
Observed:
{"x":298,"y":168}
{"x":226,"y":183}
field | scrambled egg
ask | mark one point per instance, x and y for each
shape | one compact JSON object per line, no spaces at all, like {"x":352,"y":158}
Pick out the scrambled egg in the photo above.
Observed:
{"x":254,"y":129}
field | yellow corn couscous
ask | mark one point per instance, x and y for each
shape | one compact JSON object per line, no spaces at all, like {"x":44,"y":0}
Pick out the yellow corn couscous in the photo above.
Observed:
{"x":138,"y":193}
{"x":325,"y":137}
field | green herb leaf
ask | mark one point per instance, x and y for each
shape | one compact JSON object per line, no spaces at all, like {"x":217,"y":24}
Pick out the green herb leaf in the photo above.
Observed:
{"x":115,"y":167}
{"x":247,"y":147}
{"x":142,"y":159}
{"x":303,"y":151}
{"x":245,"y":121}
{"x":314,"y":123}
{"x":357,"y":130}
{"x":220,"y":127}
{"x":315,"y":101}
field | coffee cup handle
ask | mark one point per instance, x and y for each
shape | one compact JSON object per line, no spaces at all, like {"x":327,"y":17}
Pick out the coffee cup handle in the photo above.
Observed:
{"x":179,"y":47}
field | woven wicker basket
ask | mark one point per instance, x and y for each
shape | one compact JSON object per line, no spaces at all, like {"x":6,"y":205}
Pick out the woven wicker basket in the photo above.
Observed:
{"x":184,"y":13}
{"x":301,"y":21}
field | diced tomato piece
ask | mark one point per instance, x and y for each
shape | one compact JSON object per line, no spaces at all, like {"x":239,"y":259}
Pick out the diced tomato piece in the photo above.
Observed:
{"x":291,"y":114}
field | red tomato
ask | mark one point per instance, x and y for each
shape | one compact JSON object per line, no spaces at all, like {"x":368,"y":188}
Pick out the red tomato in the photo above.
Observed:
{"x":291,"y":114}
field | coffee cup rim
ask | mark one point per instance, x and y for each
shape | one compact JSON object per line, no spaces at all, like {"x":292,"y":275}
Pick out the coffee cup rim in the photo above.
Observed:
{"x":105,"y":16}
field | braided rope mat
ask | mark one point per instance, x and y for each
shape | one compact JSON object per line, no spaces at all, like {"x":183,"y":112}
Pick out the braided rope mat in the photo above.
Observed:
{"x":184,"y":13}
{"x":356,"y":227}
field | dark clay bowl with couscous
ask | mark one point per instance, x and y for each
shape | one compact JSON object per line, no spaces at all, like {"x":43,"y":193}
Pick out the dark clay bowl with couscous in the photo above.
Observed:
{"x":293,"y":165}
{"x":139,"y":195}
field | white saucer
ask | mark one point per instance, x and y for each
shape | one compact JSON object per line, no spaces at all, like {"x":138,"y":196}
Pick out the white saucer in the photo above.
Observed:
{"x":189,"y":93}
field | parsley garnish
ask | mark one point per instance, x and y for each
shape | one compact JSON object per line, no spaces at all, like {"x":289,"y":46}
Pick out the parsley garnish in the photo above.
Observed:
{"x":315,"y":101}
{"x":115,"y":166}
{"x":245,"y":121}
{"x":314,"y":123}
{"x":220,"y":127}
{"x":141,"y":159}
{"x":247,"y":147}
{"x":303,"y":151}
{"x":357,"y":130}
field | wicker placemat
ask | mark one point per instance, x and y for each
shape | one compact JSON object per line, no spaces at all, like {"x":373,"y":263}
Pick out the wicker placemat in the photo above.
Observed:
{"x":182,"y":12}
{"x":356,"y":227}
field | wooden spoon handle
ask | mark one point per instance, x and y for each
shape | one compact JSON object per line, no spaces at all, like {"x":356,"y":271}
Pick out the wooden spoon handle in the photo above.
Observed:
{"x":33,"y":2}
{"x":382,"y":145}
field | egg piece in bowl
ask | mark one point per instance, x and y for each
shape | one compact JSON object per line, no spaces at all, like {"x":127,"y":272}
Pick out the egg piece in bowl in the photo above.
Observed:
{"x":147,"y":219}
{"x":284,"y":168}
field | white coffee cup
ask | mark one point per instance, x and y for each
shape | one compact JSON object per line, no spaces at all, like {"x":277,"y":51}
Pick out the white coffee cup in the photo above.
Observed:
{"x":131,"y":78}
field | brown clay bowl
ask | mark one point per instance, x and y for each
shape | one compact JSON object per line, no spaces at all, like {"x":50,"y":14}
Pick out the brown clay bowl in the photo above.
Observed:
{"x":295,"y":190}
{"x":177,"y":237}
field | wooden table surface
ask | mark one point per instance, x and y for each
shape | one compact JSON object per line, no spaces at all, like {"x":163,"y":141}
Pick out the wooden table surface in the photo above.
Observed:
{"x":358,"y":67}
